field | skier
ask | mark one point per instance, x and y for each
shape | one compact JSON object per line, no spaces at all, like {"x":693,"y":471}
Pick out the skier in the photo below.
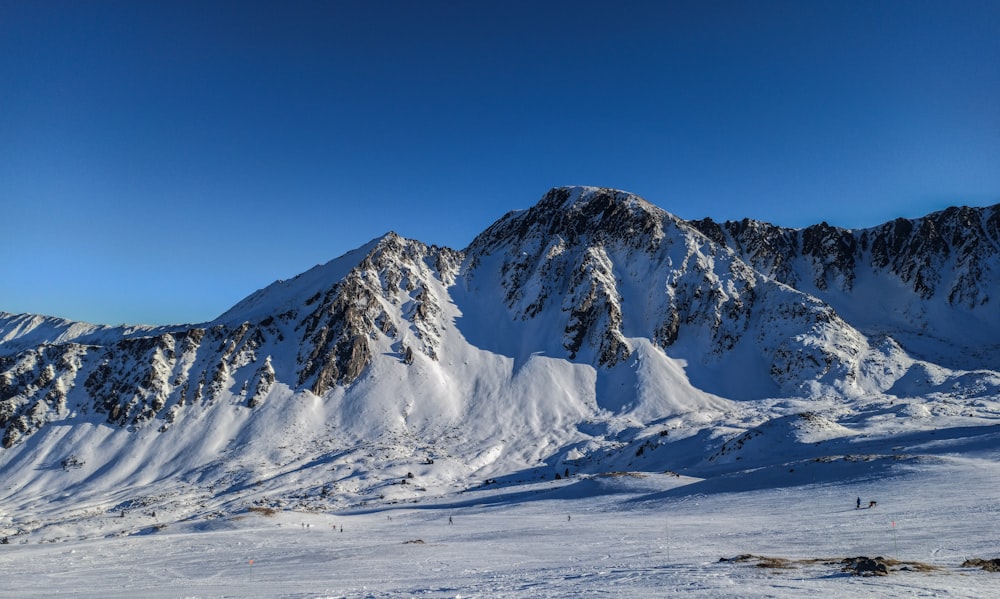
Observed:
{"x":858,"y":506}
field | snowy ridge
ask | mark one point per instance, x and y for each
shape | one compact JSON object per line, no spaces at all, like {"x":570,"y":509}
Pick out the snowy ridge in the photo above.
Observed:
{"x":23,"y":331}
{"x":591,"y":333}
{"x":936,"y":277}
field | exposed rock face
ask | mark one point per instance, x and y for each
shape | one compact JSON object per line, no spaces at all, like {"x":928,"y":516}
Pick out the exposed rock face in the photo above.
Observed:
{"x":577,"y":246}
{"x":558,"y":251}
{"x":33,"y":388}
{"x":394,"y":284}
{"x":336,"y":333}
{"x":948,"y":254}
{"x":265,"y":378}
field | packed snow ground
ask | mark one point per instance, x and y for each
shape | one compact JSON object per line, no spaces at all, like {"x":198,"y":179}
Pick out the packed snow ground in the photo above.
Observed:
{"x":632,"y":535}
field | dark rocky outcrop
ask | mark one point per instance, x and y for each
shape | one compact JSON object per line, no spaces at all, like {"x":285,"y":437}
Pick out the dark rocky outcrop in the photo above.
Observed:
{"x":865,"y":566}
{"x":989,"y":565}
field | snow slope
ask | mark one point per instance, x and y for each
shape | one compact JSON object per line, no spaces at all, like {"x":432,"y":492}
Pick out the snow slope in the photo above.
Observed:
{"x":590,"y":334}
{"x":632,"y":535}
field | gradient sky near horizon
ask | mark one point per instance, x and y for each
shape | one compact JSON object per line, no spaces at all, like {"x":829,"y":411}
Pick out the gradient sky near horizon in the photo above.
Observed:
{"x":159,"y":161}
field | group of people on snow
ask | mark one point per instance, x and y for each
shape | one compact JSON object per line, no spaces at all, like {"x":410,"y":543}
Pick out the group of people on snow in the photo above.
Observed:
{"x":871,"y":504}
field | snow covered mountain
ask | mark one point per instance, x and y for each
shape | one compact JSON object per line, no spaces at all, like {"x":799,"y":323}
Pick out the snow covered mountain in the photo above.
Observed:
{"x":591,"y":332}
{"x":926,"y":282}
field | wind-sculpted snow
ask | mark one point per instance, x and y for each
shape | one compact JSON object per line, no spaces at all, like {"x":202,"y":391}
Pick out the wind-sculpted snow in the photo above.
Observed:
{"x":592,"y":332}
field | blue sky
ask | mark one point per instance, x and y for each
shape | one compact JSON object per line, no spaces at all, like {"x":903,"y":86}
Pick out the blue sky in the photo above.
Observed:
{"x":160,"y":161}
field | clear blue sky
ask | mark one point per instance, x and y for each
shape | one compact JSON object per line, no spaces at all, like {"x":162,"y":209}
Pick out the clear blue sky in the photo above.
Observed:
{"x":161,"y":160}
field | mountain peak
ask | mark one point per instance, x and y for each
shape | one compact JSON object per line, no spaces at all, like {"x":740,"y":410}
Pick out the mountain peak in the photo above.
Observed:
{"x":585,"y":197}
{"x":571,"y":213}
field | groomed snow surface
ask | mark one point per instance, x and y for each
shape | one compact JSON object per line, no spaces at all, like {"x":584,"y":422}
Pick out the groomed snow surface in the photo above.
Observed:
{"x":612,"y":535}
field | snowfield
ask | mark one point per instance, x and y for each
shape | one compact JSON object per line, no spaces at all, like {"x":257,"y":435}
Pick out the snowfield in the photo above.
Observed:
{"x":614,"y":535}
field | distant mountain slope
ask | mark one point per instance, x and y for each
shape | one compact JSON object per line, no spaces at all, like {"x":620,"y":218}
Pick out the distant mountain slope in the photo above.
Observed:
{"x":24,"y":331}
{"x":931,"y":283}
{"x":580,"y":334}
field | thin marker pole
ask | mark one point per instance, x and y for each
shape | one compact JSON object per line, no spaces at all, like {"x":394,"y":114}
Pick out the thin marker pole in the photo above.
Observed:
{"x":666,"y":522}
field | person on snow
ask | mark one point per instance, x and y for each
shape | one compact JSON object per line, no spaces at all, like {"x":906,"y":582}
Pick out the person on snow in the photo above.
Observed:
{"x":858,"y":506}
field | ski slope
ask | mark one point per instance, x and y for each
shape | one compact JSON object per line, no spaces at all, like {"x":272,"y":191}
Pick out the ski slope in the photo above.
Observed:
{"x":614,"y":535}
